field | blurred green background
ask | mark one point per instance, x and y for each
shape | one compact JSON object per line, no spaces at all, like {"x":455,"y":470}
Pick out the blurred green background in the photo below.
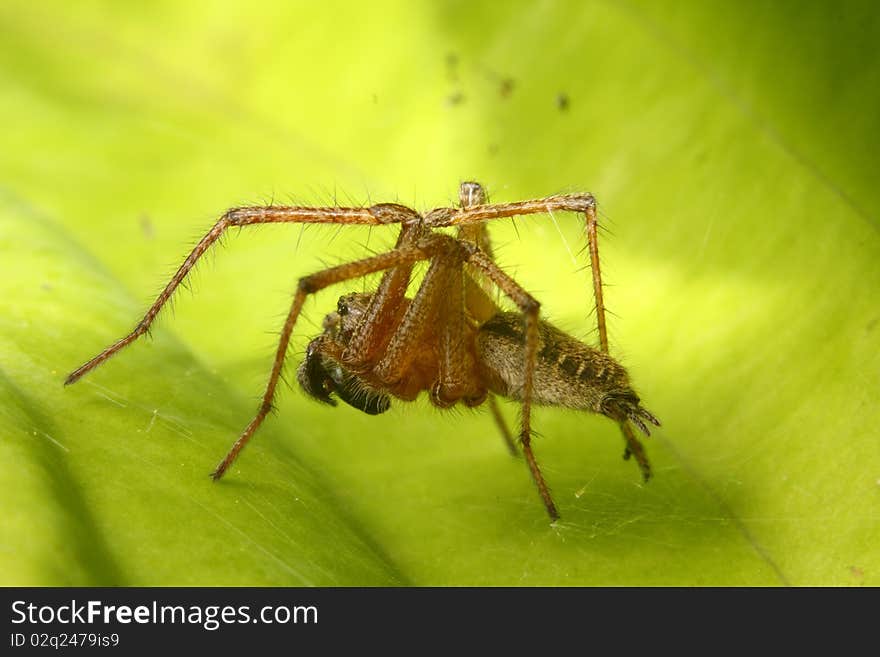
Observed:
{"x":733,"y":148}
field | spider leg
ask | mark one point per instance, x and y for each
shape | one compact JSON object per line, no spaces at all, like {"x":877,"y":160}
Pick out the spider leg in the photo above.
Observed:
{"x":403,"y":347}
{"x":502,"y":425}
{"x":457,"y":359}
{"x":385,"y":213}
{"x":635,"y":448}
{"x":481,"y":307}
{"x":309,"y":285}
{"x":529,"y":306}
{"x":477,"y":290}
{"x":371,"y":335}
{"x":581,"y":203}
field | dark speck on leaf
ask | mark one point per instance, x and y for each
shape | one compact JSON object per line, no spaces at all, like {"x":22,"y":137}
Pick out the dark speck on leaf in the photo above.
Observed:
{"x":452,"y":66}
{"x":562,"y":101}
{"x":456,"y":98}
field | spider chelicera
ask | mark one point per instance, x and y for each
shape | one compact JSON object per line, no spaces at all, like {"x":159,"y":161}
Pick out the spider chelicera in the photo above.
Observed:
{"x":450,"y":339}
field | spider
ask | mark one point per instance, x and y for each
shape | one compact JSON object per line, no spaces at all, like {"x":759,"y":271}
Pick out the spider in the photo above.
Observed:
{"x":450,"y":338}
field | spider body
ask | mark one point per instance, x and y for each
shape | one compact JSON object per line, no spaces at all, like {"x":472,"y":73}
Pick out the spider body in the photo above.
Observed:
{"x":567,"y":372}
{"x":450,"y":338}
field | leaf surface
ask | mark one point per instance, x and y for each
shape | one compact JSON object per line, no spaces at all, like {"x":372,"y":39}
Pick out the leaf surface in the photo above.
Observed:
{"x":733,"y":152}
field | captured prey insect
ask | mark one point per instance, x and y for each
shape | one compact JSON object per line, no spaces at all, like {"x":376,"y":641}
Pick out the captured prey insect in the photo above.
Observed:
{"x":450,"y":338}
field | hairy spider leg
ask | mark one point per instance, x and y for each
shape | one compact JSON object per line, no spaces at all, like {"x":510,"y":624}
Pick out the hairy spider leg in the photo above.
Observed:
{"x":502,"y":425}
{"x":400,"y":350}
{"x":580,"y":203}
{"x":442,"y":279}
{"x":633,"y":446}
{"x":372,"y":335}
{"x":457,"y":358}
{"x":385,"y":213}
{"x":529,"y":306}
{"x":419,"y":312}
{"x":422,"y":311}
{"x":481,"y":308}
{"x":309,"y":285}
{"x":477,"y":289}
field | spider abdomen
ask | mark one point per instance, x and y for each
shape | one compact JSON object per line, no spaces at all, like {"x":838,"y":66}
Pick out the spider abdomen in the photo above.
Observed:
{"x":568,"y":372}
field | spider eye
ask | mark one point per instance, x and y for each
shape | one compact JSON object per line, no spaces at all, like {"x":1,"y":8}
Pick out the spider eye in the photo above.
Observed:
{"x":471,"y":193}
{"x":342,"y":306}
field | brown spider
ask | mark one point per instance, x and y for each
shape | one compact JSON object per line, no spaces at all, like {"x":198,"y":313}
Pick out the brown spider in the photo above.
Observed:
{"x":450,"y":338}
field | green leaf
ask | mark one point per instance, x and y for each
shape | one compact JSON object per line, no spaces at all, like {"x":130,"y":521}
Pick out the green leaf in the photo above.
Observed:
{"x":732,"y":148}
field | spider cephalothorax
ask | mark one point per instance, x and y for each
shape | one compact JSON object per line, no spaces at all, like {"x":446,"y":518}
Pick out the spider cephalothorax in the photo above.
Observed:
{"x":450,"y":338}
